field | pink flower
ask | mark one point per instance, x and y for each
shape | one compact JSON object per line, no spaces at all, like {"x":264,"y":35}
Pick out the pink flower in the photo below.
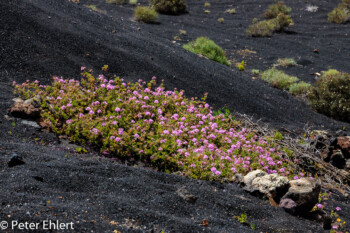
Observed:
{"x":82,"y":68}
{"x":117,"y":139}
{"x":117,"y":109}
{"x":63,"y":107}
{"x":166,"y":132}
{"x":146,"y":98}
{"x":338,"y":208}
{"x":136,"y":135}
{"x":319,"y":206}
{"x":69,"y":105}
{"x":91,"y":112}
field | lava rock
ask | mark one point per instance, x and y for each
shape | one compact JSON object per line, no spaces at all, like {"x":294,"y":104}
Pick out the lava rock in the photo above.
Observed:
{"x":31,"y":123}
{"x":344,"y":145}
{"x":23,"y":110}
{"x":304,"y":192}
{"x":272,"y":183}
{"x":183,"y":193}
{"x":338,"y":160}
{"x":15,"y":161}
{"x":248,"y":179}
{"x":288,"y":205}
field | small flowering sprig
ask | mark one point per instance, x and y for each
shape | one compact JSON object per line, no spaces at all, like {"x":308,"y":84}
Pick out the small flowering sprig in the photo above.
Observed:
{"x":144,"y":121}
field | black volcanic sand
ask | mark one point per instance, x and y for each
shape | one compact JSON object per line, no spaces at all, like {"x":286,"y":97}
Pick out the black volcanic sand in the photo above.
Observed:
{"x":42,"y":38}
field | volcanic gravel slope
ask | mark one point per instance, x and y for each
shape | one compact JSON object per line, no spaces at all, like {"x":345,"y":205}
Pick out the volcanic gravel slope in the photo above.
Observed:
{"x":42,"y":38}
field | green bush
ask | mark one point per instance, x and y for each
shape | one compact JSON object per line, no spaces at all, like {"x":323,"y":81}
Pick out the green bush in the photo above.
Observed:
{"x":207,"y":48}
{"x":278,"y":17}
{"x":267,"y":27}
{"x":221,"y":20}
{"x":169,"y":7}
{"x":331,"y":95}
{"x":145,"y":14}
{"x":286,"y":62}
{"x":299,"y":88}
{"x":278,"y":78}
{"x":341,"y":14}
{"x":275,"y":9}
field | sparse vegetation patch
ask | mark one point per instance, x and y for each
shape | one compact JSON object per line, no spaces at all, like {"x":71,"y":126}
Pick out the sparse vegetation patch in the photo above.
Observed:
{"x":207,"y":48}
{"x":278,"y":78}
{"x":145,"y":14}
{"x":278,"y":18}
{"x":286,"y":62}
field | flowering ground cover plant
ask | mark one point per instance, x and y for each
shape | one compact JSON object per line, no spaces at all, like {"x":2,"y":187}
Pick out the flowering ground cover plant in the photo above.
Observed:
{"x":143,"y":121}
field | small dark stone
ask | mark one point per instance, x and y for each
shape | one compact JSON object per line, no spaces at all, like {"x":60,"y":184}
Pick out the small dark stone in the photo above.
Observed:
{"x":338,"y":160}
{"x":340,"y":133}
{"x":333,"y":141}
{"x":38,"y":178}
{"x":183,"y":193}
{"x":15,"y":161}
{"x":327,"y":223}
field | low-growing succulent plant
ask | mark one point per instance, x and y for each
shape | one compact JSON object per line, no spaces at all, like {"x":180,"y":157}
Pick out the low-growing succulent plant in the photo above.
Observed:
{"x":143,"y":121}
{"x":145,"y":14}
{"x":169,"y":7}
{"x":207,"y":48}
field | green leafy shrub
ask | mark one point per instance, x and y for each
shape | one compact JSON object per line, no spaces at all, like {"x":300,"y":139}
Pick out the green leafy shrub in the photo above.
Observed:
{"x":255,"y":71}
{"x":169,"y":7}
{"x":145,"y":14}
{"x":143,"y":121}
{"x":278,"y":78}
{"x":241,"y":66}
{"x":231,"y":11}
{"x":299,"y":88}
{"x":221,"y":20}
{"x":132,"y":2}
{"x":286,"y":62}
{"x":331,"y":95}
{"x":340,"y":14}
{"x":267,"y":27}
{"x":275,"y":9}
{"x":278,"y":18}
{"x":207,"y":48}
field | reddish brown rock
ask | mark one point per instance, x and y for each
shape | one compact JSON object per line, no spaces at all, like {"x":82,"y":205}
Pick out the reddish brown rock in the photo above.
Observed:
{"x":344,"y":145}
